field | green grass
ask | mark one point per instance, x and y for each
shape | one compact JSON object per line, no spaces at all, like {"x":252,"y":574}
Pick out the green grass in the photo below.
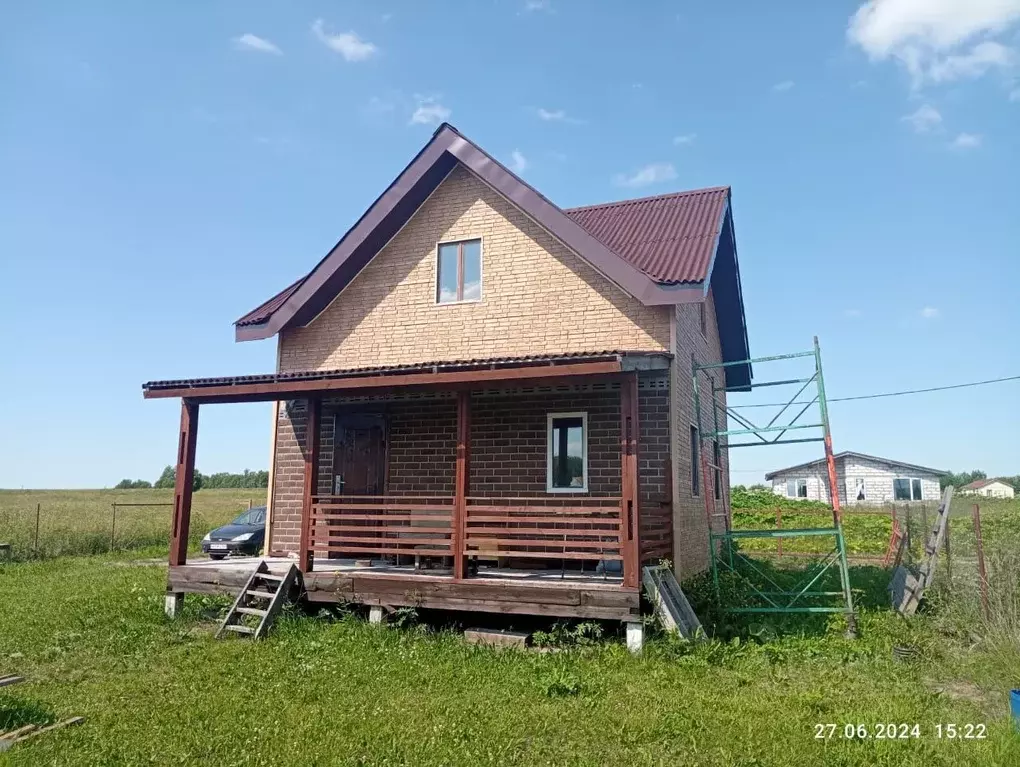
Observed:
{"x":867,"y":534}
{"x":81,"y":521}
{"x":90,"y":635}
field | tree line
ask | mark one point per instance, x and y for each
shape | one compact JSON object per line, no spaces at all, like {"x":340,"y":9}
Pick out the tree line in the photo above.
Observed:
{"x":966,"y":477}
{"x":168,"y":479}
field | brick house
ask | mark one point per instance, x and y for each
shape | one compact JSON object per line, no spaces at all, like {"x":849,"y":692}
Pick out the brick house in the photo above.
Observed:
{"x":484,"y":401}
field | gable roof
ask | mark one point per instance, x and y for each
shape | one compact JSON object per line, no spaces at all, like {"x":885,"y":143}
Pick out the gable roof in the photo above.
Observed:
{"x":672,"y":238}
{"x":660,"y":250}
{"x":849,"y":453}
{"x":977,"y":484}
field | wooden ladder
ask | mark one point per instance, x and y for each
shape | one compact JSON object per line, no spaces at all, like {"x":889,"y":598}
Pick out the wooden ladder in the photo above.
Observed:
{"x":262,"y":597}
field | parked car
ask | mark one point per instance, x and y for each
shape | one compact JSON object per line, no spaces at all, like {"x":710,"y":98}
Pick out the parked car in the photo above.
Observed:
{"x":243,"y":535}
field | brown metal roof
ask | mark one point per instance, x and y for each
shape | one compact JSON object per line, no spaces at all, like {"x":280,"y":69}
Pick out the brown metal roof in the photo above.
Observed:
{"x":672,"y":237}
{"x":443,"y":366}
{"x":264,"y":311}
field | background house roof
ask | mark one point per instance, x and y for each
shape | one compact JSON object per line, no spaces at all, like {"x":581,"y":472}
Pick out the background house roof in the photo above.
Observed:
{"x":847,"y":453}
{"x":977,"y":484}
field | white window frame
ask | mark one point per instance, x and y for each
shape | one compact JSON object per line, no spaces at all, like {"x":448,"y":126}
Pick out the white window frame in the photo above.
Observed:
{"x":481,"y":272}
{"x":796,"y":486}
{"x":549,"y":452}
{"x":910,"y":486}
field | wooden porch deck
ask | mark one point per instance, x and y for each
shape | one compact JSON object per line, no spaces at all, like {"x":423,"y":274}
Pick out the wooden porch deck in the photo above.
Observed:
{"x":495,"y":590}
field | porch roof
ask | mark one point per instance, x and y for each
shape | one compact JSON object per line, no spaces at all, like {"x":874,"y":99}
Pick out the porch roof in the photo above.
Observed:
{"x":451,"y":373}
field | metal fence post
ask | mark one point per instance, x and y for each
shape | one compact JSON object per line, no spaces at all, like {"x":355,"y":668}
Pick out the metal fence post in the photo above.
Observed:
{"x":113,"y":527}
{"x":779,"y":526}
{"x":949,"y":555}
{"x":982,"y":574}
{"x":35,"y":547}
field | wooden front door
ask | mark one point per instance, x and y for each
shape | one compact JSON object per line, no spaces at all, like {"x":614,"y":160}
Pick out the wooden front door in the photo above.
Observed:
{"x":359,"y":455}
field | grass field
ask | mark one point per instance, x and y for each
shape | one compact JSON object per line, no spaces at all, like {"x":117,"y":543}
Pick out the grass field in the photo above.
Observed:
{"x":90,"y":635}
{"x":82,"y":522}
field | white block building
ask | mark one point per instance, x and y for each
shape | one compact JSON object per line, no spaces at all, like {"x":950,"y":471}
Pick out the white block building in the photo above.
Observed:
{"x":990,"y":488}
{"x":860,"y":478}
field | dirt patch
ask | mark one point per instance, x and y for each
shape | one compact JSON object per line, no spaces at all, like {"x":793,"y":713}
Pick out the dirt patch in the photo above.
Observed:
{"x":986,"y":700}
{"x":139,"y":563}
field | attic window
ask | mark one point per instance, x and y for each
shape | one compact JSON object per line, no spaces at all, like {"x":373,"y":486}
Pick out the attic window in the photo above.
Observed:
{"x":459,"y":273}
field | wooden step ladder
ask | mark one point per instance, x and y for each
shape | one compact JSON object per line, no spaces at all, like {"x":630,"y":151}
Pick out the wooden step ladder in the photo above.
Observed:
{"x":261,"y":597}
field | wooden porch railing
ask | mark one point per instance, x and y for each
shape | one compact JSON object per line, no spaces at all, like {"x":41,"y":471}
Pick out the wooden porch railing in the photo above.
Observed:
{"x":544,"y":528}
{"x":540,"y":528}
{"x":382,"y":525}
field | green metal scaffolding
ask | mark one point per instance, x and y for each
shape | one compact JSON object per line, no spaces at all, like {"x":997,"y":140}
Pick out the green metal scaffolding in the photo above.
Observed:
{"x":765,"y":594}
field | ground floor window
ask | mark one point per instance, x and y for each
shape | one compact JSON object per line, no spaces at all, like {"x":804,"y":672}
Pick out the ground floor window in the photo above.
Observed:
{"x":907,"y":489}
{"x":567,"y":461}
{"x":796,"y":488}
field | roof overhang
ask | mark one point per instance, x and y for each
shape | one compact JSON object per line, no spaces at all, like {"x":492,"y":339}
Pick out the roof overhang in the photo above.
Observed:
{"x":529,"y":371}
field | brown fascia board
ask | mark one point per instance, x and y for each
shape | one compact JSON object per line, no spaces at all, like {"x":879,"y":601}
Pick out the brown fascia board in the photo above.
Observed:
{"x":315,"y":293}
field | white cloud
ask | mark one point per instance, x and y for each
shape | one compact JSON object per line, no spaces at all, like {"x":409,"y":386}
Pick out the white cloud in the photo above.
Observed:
{"x":537,"y":5}
{"x":936,"y":40}
{"x":929,"y":312}
{"x":518,"y":162}
{"x":250,"y":42}
{"x":982,"y":57}
{"x":556,"y":116}
{"x":655,"y":173}
{"x":429,"y":112}
{"x":851,"y":312}
{"x":924,"y":119}
{"x":967,"y":141}
{"x":1014,"y":95}
{"x":686,"y":138}
{"x":347,"y":44}
{"x":785,"y":85}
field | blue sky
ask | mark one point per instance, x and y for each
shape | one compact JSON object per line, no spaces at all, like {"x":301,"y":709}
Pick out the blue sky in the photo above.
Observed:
{"x":164,"y":167}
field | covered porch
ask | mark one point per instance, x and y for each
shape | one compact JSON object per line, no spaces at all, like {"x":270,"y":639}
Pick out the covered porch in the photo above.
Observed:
{"x":418,"y":486}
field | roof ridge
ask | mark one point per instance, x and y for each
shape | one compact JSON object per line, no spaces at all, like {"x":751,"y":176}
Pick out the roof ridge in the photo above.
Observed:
{"x":650,"y":198}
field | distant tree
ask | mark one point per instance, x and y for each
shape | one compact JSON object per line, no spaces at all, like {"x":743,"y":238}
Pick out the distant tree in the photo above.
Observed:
{"x":759,"y":486}
{"x":167,"y":479}
{"x":132,"y":484}
{"x":247,"y":479}
{"x":961,"y":479}
{"x":738,"y":488}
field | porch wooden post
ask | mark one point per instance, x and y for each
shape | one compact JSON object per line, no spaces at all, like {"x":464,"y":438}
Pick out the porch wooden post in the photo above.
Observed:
{"x":629,"y":508}
{"x":185,"y":476}
{"x":312,"y":438}
{"x":459,"y":525}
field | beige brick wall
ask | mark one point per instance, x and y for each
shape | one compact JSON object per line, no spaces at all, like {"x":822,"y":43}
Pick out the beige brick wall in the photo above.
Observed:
{"x":690,"y":526}
{"x":537,"y":296}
